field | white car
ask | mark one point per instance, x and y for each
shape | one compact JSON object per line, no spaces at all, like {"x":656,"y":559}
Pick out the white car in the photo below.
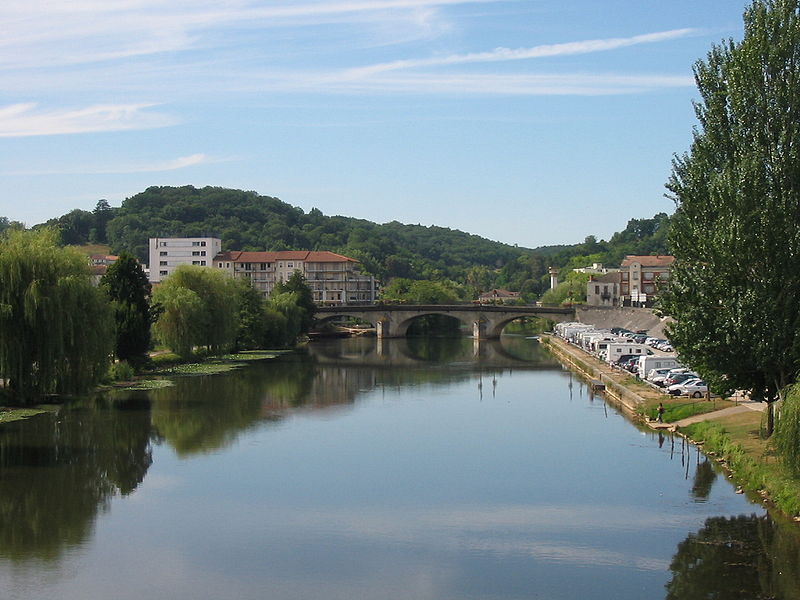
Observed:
{"x":691,"y":387}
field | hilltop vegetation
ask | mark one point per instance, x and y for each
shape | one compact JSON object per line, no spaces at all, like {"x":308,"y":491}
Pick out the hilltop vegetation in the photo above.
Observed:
{"x":248,"y":221}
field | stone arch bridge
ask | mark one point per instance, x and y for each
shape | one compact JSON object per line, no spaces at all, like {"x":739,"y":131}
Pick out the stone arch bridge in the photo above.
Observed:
{"x":487,"y":321}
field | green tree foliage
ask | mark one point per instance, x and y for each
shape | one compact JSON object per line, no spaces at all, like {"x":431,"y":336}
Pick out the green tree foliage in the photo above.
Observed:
{"x":787,"y":429}
{"x":198,"y":307}
{"x":291,"y":318}
{"x":126,"y":284}
{"x":303,"y":298}
{"x":248,"y":221}
{"x":55,"y":327}
{"x":411,"y":291}
{"x":736,"y":278}
{"x":570,"y":291}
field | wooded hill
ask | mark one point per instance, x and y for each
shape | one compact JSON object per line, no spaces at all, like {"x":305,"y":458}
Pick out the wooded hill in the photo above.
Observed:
{"x":248,"y":221}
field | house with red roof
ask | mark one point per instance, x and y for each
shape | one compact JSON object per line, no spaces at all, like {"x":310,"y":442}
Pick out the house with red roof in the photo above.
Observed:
{"x":334,"y":279}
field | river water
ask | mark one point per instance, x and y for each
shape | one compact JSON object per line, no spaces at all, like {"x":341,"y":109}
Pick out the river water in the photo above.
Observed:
{"x":409,"y":469}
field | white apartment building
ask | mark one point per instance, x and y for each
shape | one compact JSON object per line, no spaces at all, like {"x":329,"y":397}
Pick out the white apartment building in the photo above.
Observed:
{"x":334,"y":279}
{"x":166,"y":254}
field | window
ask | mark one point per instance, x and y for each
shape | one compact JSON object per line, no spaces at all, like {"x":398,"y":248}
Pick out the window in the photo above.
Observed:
{"x":597,"y":289}
{"x":635,"y":275}
{"x":163,"y":263}
{"x":162,"y":253}
{"x":290,"y":265}
{"x":202,"y":243}
{"x":196,"y":262}
{"x":163,"y":244}
{"x":195,"y":243}
{"x":196,"y":253}
{"x":162,"y":273}
{"x":647,"y":276}
{"x":202,"y":263}
{"x":202,"y":253}
{"x":263,"y":266}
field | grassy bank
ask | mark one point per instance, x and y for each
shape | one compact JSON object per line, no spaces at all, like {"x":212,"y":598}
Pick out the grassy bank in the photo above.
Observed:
{"x":750,"y":460}
{"x":734,"y":440}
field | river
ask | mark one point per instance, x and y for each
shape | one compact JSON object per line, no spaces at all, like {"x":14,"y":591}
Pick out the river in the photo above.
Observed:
{"x":427,"y":469}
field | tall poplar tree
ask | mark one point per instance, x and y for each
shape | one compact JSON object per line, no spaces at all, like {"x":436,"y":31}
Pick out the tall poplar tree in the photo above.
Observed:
{"x":736,"y":230}
{"x":126,"y":284}
{"x":55,"y":327}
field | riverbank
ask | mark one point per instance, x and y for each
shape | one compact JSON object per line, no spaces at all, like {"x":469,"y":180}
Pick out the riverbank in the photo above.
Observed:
{"x":165,"y":366}
{"x":729,"y":432}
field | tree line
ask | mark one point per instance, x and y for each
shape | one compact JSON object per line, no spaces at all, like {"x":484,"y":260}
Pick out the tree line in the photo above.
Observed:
{"x":60,"y":333}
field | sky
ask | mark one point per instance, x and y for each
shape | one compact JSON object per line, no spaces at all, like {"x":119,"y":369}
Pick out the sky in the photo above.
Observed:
{"x":530,"y":122}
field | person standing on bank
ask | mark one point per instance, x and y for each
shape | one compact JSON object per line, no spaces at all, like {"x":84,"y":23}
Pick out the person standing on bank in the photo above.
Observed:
{"x":660,"y":410}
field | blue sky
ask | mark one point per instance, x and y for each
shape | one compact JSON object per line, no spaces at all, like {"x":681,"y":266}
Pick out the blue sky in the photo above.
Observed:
{"x":529,"y":122}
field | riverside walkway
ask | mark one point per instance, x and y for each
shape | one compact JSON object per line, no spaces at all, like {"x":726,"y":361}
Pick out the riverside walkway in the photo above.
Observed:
{"x":633,"y":395}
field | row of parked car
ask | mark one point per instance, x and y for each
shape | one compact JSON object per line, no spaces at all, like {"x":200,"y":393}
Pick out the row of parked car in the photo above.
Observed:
{"x":629,"y":350}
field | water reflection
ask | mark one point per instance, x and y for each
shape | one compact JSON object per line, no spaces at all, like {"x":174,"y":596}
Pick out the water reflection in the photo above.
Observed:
{"x":704,"y":478}
{"x":407,"y":473}
{"x":58,"y":470}
{"x":744,"y":557}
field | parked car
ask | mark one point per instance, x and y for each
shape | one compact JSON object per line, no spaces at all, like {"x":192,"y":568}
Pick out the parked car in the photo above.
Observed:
{"x":691,"y":387}
{"x":679,"y":378}
{"x":653,"y":373}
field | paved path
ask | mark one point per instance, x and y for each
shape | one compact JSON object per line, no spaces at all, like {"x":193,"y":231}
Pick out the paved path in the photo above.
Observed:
{"x":732,"y":410}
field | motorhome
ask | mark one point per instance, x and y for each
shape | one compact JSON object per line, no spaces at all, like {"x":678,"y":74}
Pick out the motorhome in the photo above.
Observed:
{"x":647,"y":363}
{"x":616,"y":350}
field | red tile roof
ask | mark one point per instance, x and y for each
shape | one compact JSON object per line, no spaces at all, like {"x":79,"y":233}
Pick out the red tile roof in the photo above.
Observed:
{"x":266,"y":257}
{"x":649,"y":261}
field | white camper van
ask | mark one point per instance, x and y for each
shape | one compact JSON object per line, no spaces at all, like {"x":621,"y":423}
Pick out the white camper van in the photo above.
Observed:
{"x":616,"y":350}
{"x":647,"y":363}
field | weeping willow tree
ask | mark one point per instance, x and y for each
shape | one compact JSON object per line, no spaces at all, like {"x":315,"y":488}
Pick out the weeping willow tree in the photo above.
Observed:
{"x":198,"y":307}
{"x":55,"y":327}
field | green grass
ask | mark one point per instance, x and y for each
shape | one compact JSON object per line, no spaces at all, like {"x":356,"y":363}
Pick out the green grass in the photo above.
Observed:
{"x":676,"y":412}
{"x":146,"y":384}
{"x":171,"y":364}
{"x":8,"y":415}
{"x":753,"y":474}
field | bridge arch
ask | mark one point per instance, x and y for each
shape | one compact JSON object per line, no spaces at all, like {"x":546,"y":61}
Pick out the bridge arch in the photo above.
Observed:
{"x":485,"y":321}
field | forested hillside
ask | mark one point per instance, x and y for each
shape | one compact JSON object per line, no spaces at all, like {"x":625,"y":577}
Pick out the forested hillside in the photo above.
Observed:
{"x":248,"y":221}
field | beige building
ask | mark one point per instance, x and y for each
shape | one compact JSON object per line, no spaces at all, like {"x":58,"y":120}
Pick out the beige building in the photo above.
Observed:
{"x":333,"y":278}
{"x":641,"y":277}
{"x":603,"y":290}
{"x":167,"y":254}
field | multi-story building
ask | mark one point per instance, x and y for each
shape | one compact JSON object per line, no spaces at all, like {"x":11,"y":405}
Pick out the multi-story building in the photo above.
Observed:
{"x":603,"y":290}
{"x":641,"y":277}
{"x":167,"y":254}
{"x":333,"y":278}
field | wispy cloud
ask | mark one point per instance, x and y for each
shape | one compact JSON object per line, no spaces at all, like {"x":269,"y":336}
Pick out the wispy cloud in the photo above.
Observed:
{"x":23,"y":120}
{"x":41,"y":33}
{"x":508,"y":54}
{"x":175,"y":164}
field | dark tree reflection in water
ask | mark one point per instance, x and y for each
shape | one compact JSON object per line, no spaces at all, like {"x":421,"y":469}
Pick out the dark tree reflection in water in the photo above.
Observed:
{"x":737,"y":558}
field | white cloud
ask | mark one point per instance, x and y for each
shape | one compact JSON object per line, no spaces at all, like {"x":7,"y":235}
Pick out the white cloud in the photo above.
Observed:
{"x":175,"y":164}
{"x":23,"y":120}
{"x":507,"y":54}
{"x":43,"y":34}
{"x":479,"y":84}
